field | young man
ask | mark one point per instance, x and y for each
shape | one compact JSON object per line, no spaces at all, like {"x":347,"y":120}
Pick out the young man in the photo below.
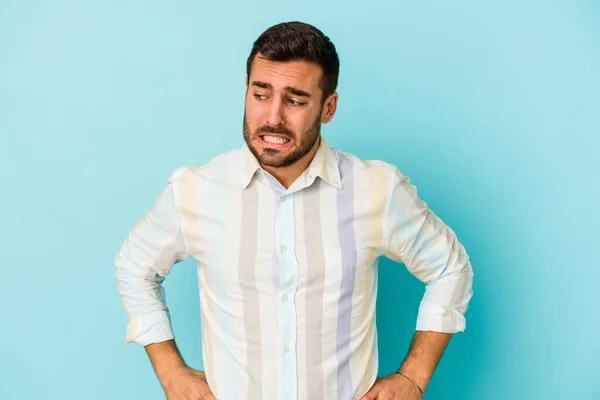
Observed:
{"x":287,"y":233}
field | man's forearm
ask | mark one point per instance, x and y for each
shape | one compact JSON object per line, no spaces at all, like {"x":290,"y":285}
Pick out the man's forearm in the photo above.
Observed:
{"x":165,"y":358}
{"x":177,"y":379}
{"x":424,"y":355}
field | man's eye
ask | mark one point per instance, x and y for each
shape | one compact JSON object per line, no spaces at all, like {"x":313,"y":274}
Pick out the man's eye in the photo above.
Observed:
{"x":259,"y":96}
{"x":295,"y":102}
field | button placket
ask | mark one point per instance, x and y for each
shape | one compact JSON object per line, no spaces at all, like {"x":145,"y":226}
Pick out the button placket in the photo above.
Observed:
{"x":286,"y":310}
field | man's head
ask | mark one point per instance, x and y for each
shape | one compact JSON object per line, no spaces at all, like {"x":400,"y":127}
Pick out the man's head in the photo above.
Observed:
{"x":292,"y":74}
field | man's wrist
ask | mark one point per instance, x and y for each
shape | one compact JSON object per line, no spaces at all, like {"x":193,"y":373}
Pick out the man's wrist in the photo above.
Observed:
{"x":165,"y":374}
{"x":418,"y":387}
{"x":418,"y":375}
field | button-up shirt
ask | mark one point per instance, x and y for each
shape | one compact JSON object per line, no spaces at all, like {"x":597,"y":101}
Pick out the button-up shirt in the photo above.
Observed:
{"x":288,"y":277}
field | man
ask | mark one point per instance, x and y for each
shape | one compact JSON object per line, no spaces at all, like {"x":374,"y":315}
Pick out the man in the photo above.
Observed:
{"x":287,"y":232}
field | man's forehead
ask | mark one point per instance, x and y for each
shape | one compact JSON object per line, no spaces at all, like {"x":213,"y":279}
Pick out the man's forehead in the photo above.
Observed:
{"x":301,"y":73}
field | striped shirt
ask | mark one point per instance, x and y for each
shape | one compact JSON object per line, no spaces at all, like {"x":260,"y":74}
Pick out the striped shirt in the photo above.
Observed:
{"x":288,"y":277}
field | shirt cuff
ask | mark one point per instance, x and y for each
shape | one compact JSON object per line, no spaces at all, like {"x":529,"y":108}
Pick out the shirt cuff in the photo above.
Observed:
{"x":151,"y":328}
{"x":437,"y":318}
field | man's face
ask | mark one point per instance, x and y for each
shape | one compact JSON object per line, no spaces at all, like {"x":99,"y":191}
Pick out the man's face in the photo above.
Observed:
{"x":282,"y":115}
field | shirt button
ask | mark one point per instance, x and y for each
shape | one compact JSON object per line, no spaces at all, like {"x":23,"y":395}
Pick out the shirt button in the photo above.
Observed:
{"x":284,"y":297}
{"x":286,"y":349}
{"x":283,"y":249}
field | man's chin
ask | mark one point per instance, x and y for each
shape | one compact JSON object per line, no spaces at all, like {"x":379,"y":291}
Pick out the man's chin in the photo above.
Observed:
{"x":272,"y":155}
{"x":274,"y":162}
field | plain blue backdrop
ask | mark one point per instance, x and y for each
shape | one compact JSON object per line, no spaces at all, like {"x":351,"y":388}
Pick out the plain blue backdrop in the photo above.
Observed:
{"x":491,"y":108}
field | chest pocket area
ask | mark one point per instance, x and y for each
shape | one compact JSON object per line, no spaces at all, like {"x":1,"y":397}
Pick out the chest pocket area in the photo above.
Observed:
{"x":345,"y":283}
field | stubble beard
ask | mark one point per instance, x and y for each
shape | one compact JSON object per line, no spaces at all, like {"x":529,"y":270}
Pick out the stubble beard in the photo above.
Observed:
{"x":273,"y":157}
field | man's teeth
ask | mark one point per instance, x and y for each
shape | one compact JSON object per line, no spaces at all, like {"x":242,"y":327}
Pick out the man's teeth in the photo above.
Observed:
{"x":275,"y":139}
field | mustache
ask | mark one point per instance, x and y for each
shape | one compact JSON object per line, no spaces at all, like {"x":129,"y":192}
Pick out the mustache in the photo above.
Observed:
{"x":281,"y":130}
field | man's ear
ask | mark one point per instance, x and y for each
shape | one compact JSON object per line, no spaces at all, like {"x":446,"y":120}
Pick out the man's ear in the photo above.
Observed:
{"x":329,"y":108}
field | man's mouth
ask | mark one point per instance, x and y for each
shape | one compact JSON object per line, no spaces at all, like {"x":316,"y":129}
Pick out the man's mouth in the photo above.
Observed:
{"x":274,"y":140}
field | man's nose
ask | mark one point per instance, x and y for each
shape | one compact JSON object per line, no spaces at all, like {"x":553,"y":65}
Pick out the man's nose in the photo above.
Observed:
{"x":275,"y":115}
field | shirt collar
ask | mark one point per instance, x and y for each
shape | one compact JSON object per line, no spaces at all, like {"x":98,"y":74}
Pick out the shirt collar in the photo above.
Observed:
{"x":324,"y":164}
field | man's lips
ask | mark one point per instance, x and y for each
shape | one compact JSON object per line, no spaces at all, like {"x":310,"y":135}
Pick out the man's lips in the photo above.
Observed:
{"x":264,"y":142}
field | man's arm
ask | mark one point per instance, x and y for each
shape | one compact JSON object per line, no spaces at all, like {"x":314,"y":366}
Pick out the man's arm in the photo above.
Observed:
{"x":178,"y":380}
{"x":424,"y":355}
{"x":432,"y":253}
{"x":149,"y":252}
{"x":145,"y":258}
{"x":165,"y":358}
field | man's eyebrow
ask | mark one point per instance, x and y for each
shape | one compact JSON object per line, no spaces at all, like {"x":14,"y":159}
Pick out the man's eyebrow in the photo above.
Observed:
{"x":291,"y":89}
{"x":263,"y":85}
{"x":297,"y":92}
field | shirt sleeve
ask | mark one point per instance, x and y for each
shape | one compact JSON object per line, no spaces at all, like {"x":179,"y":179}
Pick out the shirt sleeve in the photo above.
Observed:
{"x":145,"y":258}
{"x":432,"y":253}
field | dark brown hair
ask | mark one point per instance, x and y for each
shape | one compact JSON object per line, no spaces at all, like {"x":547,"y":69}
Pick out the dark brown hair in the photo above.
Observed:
{"x":290,"y":41}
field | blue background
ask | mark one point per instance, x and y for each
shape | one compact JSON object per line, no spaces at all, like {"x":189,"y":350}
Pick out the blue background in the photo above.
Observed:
{"x":492,"y":109}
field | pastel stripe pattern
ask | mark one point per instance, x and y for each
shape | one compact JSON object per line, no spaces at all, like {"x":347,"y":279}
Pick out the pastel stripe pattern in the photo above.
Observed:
{"x":288,"y":276}
{"x":345,"y":219}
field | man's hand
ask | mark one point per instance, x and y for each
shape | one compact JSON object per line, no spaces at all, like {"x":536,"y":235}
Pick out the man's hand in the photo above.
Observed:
{"x":187,"y":384}
{"x":392,"y":387}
